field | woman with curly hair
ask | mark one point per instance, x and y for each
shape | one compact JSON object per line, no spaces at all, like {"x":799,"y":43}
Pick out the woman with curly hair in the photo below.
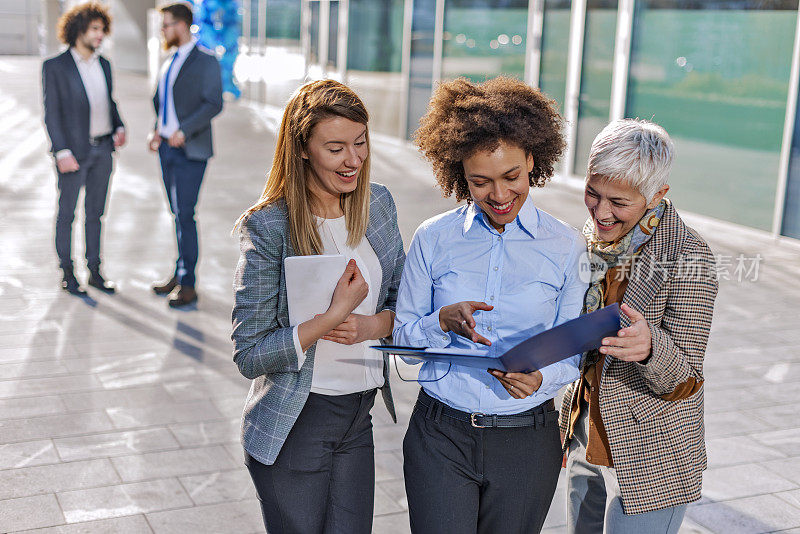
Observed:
{"x":482,"y":452}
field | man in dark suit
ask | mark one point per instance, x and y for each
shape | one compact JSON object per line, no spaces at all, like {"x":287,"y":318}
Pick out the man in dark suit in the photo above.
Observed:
{"x":84,"y":126}
{"x":189,"y":95}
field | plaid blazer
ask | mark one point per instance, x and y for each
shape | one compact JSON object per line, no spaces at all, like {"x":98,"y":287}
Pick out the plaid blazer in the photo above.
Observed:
{"x":657,"y":446}
{"x":262,"y":337}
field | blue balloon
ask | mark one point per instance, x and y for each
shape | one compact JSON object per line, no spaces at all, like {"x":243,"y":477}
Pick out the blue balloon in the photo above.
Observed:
{"x":219,"y":25}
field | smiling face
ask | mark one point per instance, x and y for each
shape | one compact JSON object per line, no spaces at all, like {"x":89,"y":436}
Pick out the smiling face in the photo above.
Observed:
{"x":335,"y":151}
{"x":615,"y":206}
{"x":498,"y":182}
{"x":93,"y":37}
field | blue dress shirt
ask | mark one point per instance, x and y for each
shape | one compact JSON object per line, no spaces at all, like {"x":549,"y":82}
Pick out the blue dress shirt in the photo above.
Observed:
{"x":529,"y":273}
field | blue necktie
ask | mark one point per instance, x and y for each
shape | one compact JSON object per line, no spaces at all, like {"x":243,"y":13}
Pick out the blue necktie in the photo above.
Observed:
{"x":166,"y":91}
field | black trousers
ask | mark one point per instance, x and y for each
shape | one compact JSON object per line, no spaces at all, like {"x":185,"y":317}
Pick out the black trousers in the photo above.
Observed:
{"x":94,"y":175}
{"x":461,"y":479}
{"x":323,"y":480}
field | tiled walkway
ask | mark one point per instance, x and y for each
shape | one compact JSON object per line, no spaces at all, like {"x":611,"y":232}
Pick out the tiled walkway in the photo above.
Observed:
{"x":118,"y":414}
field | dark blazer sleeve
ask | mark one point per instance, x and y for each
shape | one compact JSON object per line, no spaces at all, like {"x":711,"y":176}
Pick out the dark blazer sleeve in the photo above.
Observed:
{"x":211,"y":93}
{"x":52,"y":107}
{"x":116,"y":119}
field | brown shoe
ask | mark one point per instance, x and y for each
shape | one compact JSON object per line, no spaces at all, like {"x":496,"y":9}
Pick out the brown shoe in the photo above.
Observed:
{"x":166,"y":287}
{"x":182,"y":296}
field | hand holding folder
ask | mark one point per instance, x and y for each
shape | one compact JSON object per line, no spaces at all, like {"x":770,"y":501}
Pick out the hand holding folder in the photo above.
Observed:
{"x":573,"y":337}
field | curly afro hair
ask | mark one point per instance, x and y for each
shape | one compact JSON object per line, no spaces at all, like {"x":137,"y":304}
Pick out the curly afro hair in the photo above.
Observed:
{"x":465,"y":117}
{"x":76,"y":21}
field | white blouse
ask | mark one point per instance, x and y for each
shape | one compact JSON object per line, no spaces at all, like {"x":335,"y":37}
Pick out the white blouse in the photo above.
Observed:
{"x":344,"y":369}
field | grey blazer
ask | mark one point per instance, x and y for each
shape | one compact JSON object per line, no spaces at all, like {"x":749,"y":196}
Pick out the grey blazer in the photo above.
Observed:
{"x":262,"y":337}
{"x":66,"y":107}
{"x":197,"y":94}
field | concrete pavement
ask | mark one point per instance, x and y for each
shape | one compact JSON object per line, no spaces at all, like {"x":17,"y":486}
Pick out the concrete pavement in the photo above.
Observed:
{"x":118,"y":414}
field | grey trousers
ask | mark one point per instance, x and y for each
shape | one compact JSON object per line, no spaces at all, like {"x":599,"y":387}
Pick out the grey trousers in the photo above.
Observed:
{"x":93,"y":176}
{"x":323,"y":481}
{"x":594,"y":502}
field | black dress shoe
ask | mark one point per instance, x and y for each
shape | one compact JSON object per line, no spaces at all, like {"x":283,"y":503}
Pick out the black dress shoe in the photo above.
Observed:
{"x":166,"y":287}
{"x":182,"y":296}
{"x":96,"y":280}
{"x":70,"y":284}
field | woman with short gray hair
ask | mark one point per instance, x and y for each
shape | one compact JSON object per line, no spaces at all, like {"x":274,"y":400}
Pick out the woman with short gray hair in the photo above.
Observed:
{"x":633,"y":421}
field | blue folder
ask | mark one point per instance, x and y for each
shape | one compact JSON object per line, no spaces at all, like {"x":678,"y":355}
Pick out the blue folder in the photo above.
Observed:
{"x":548,"y":347}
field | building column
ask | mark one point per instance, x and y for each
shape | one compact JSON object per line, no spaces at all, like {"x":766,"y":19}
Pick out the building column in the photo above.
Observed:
{"x":129,"y":34}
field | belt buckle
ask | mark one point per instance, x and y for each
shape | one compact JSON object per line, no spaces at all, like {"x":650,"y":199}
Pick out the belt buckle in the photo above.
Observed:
{"x":472,"y":419}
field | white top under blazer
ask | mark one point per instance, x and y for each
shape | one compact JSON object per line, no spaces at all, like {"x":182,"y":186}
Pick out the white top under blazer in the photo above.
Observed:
{"x":343,"y":369}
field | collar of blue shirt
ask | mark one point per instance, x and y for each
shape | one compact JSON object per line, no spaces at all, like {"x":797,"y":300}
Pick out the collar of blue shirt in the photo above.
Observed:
{"x":527,"y":218}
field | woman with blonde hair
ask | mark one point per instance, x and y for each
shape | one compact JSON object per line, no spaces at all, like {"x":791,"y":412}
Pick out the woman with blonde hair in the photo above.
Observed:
{"x":306,"y":429}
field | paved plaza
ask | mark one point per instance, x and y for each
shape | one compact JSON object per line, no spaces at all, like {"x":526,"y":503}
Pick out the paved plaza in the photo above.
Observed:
{"x":118,"y":414}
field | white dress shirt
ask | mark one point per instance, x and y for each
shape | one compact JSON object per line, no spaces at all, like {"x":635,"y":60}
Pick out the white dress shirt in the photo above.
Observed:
{"x":344,"y":369}
{"x":94,"y":83}
{"x":172,"y":125}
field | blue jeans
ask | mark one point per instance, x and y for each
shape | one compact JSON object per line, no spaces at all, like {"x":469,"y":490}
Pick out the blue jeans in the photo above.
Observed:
{"x":182,"y":180}
{"x":594,"y":502}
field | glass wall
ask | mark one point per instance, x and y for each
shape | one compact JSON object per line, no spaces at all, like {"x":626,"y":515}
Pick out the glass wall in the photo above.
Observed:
{"x":790,"y":226}
{"x":375,"y":40}
{"x":594,"y":101}
{"x":715,"y":74}
{"x":314,"y":34}
{"x":333,"y":34}
{"x":374,"y":61}
{"x":484,"y":38}
{"x":253,"y":17}
{"x":555,"y":46}
{"x":283,"y":20}
{"x":420,"y":80}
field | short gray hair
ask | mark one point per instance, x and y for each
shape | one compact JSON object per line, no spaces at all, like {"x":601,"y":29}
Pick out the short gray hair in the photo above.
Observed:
{"x":634,"y":151}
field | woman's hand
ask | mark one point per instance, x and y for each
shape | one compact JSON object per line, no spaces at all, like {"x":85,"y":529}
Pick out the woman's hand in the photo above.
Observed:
{"x":458,"y":318}
{"x":350,"y":291}
{"x":355,"y":329}
{"x":519,"y":385}
{"x":632,"y":344}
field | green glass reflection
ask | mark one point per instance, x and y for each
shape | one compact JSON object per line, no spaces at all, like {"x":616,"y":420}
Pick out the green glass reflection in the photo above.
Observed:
{"x":484,"y":39}
{"x":313,"y":33}
{"x":375,"y":39}
{"x":555,"y":44}
{"x":253,"y":4}
{"x":717,"y":80}
{"x":283,"y":19}
{"x":333,"y":33}
{"x":596,"y":70}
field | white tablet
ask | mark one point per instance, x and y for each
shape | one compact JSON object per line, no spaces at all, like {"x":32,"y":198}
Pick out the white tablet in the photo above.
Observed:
{"x":310,"y":281}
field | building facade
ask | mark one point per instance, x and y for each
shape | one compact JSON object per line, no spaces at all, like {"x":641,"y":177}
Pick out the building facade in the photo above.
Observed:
{"x":720,"y":75}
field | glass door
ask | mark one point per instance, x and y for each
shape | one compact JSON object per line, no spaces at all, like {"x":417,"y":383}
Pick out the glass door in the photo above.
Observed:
{"x":594,"y":99}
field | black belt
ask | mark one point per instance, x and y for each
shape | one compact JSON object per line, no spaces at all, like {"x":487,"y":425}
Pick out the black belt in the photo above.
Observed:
{"x":99,"y":140}
{"x":533,"y":417}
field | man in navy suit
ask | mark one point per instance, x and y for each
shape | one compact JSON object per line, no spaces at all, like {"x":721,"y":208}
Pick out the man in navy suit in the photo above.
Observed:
{"x":84,"y":126}
{"x":189,"y":95}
